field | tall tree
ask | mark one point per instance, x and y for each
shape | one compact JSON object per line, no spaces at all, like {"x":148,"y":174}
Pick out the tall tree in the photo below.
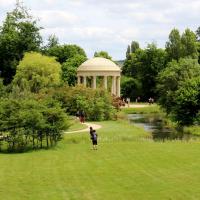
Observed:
{"x":134,"y":46}
{"x":18,"y":35}
{"x":174,"y":45}
{"x":144,"y":66}
{"x":171,"y":79}
{"x":189,"y":44}
{"x":128,"y":51}
{"x":152,"y":61}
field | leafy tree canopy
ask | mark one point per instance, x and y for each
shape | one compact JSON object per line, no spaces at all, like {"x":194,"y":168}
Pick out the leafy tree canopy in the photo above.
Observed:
{"x":171,"y":81}
{"x":26,"y":123}
{"x":181,"y":46}
{"x":18,"y":35}
{"x":144,"y":65}
{"x":69,"y":69}
{"x":187,"y":105}
{"x":64,"y":52}
{"x":36,"y":71}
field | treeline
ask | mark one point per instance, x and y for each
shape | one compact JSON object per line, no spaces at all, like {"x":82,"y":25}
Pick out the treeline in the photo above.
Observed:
{"x":170,"y":76}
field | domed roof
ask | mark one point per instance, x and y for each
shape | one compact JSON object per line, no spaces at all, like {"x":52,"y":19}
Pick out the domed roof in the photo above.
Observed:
{"x":98,"y":64}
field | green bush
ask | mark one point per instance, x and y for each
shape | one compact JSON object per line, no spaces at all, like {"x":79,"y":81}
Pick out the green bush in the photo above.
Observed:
{"x":97,"y":104}
{"x":30,"y":123}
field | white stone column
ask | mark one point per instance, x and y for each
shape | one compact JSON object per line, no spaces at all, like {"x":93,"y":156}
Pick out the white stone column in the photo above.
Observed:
{"x":85,"y":81}
{"x":79,"y":80}
{"x":105,"y":82}
{"x":114,"y":85}
{"x":94,"y":82}
{"x":118,"y":86}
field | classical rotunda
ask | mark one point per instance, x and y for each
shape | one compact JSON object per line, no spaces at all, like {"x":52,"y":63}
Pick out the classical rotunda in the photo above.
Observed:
{"x":98,"y":67}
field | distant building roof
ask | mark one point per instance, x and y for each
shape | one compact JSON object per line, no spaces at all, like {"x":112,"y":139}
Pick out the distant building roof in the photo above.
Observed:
{"x":98,"y":64}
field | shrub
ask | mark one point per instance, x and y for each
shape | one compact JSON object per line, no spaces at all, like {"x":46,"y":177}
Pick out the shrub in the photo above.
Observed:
{"x":27,"y":123}
{"x":97,"y":104}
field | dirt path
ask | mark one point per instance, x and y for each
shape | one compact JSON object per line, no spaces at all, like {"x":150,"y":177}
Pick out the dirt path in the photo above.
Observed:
{"x":94,"y":126}
{"x":137,"y":106}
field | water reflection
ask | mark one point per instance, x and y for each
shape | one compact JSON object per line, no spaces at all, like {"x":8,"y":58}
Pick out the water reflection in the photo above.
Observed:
{"x":155,"y":124}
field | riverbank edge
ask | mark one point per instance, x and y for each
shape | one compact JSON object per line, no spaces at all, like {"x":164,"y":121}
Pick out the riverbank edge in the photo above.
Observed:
{"x":155,"y":109}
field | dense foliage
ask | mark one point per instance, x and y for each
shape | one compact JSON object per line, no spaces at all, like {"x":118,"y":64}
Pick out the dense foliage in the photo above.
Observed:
{"x":69,"y":56}
{"x":130,"y":86}
{"x":28,"y":123}
{"x":64,"y":52}
{"x":19,"y":34}
{"x":69,"y":68}
{"x":97,"y":104}
{"x":36,"y":71}
{"x":143,"y":66}
{"x":169,"y":75}
{"x":180,"y":46}
{"x":178,"y":87}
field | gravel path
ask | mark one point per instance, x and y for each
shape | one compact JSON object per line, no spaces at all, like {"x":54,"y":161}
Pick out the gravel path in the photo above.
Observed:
{"x":94,"y":126}
{"x":136,"y":106}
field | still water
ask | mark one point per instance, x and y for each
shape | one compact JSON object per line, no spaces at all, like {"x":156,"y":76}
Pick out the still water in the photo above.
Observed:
{"x":155,"y":124}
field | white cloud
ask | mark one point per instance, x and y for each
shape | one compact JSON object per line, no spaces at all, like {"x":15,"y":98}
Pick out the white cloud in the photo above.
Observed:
{"x":5,"y":3}
{"x":55,"y":18}
{"x":111,"y":24}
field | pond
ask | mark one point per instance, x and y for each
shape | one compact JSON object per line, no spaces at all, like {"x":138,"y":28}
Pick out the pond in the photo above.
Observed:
{"x":155,"y":124}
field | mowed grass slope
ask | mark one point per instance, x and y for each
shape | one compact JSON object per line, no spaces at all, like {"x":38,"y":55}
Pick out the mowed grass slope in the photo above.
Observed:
{"x":127,"y":165}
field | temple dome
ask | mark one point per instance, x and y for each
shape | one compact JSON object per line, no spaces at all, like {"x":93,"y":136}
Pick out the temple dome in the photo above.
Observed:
{"x":98,"y":64}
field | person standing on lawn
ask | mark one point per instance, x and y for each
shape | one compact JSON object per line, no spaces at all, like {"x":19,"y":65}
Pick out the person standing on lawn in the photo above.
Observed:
{"x":94,"y":139}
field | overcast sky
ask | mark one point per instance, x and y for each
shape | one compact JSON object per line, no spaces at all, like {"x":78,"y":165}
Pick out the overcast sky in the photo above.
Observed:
{"x":110,"y":25}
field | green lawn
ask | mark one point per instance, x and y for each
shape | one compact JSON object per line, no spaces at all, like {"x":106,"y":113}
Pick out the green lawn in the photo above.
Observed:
{"x":127,"y":165}
{"x":141,"y":110}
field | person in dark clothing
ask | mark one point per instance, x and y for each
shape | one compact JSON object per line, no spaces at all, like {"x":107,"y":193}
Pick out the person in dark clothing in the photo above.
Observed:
{"x":94,"y":139}
{"x":82,"y":116}
{"x":91,"y":132}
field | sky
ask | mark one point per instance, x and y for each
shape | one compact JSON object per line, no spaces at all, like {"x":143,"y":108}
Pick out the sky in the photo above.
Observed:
{"x":110,"y":25}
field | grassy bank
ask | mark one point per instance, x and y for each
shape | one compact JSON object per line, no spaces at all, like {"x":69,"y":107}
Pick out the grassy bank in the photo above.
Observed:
{"x":155,"y":109}
{"x":147,"y":109}
{"x":127,"y":165}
